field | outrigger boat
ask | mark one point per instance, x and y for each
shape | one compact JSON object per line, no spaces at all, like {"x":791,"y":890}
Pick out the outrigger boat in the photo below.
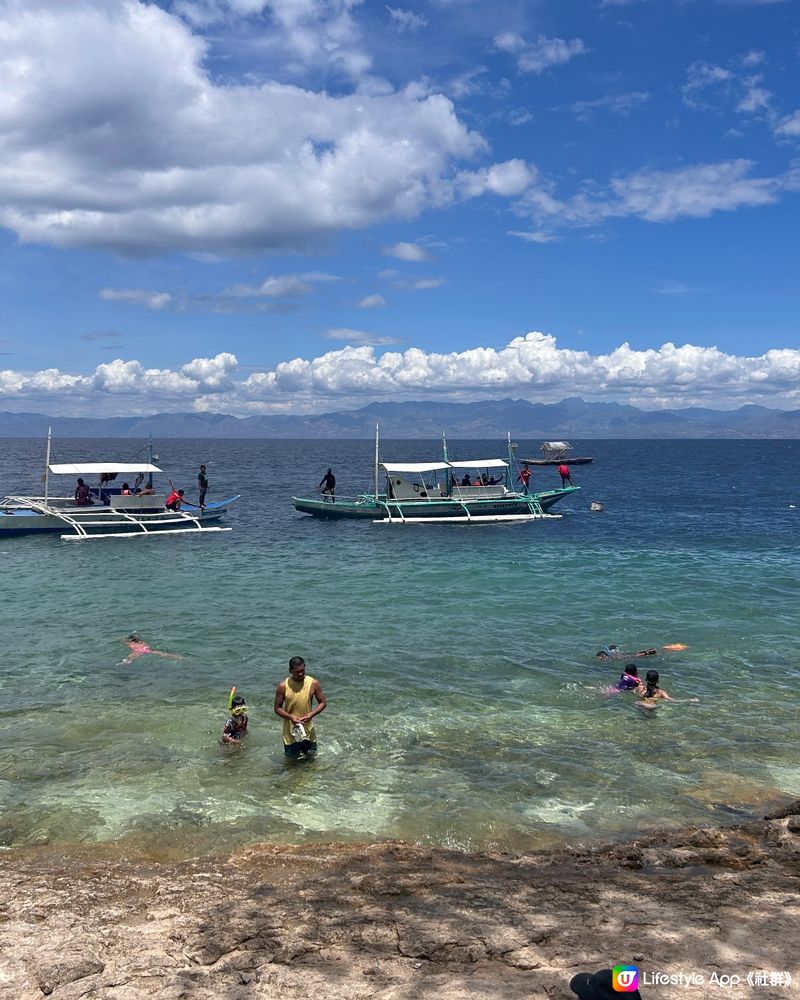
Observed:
{"x":556,"y":452}
{"x":438,"y":492}
{"x":110,"y":514}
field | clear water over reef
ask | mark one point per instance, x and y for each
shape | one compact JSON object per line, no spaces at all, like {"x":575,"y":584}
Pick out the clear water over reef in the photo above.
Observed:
{"x":466,"y":706}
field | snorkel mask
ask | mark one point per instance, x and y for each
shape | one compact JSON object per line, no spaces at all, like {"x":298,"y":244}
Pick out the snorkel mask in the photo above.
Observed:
{"x":240,"y":708}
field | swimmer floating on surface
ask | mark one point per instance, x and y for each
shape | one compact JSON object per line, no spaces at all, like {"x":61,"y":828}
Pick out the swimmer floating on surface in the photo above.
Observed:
{"x":139,"y":648}
{"x":613,"y":652}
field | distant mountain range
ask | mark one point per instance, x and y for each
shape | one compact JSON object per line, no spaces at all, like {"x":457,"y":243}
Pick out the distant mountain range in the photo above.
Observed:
{"x":485,"y":419}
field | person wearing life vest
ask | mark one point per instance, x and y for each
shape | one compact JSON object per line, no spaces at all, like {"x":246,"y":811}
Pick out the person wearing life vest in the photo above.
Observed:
{"x":174,"y":500}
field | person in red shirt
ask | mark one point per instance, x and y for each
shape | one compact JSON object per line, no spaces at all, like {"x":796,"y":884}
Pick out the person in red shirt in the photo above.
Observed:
{"x":174,"y":500}
{"x":524,"y":477}
{"x":566,"y":475}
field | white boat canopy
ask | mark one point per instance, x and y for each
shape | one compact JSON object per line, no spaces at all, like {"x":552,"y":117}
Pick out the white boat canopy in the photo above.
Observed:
{"x":416,"y":467}
{"x":556,"y":446}
{"x":482,"y":463}
{"x":98,"y":468}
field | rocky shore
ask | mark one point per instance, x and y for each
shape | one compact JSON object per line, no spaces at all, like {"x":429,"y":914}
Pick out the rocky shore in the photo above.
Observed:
{"x":393,"y":922}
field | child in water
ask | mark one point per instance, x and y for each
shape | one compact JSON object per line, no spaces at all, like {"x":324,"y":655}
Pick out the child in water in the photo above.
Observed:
{"x":236,"y":727}
{"x":628,"y":679}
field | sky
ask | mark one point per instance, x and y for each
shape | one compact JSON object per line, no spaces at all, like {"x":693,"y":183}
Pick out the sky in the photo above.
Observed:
{"x":303,"y":206}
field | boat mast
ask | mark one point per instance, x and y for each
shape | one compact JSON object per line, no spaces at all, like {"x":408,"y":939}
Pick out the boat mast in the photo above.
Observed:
{"x":510,"y":480}
{"x":377,"y":456}
{"x":47,"y":465}
{"x":149,"y":460}
{"x":449,"y":473}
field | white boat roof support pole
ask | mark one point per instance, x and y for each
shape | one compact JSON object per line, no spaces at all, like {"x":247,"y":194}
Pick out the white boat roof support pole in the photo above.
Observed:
{"x":47,"y":465}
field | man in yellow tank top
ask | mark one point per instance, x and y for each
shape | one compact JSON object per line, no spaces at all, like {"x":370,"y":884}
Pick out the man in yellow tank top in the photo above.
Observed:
{"x":294,"y":703}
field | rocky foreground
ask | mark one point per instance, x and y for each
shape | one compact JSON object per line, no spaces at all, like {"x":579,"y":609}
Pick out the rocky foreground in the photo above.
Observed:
{"x":393,"y":922}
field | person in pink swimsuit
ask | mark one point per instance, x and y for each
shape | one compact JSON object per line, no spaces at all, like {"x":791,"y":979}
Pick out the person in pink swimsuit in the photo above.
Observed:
{"x":138,"y":648}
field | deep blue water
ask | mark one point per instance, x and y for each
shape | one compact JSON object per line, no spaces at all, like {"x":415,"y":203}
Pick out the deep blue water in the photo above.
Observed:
{"x":466,"y":706}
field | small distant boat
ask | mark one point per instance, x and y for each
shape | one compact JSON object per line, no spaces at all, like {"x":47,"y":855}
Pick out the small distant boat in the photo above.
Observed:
{"x":475,"y":491}
{"x":596,"y":505}
{"x":108,"y":512}
{"x":556,"y":452}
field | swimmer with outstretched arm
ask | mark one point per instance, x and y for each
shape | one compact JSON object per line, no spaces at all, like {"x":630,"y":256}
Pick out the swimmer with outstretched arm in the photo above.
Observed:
{"x":138,"y":648}
{"x":650,"y":692}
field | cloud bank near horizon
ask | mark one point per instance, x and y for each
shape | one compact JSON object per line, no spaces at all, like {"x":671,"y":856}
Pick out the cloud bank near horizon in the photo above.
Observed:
{"x":531,"y":367}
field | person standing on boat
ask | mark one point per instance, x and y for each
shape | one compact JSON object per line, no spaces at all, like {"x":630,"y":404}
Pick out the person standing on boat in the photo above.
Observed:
{"x":566,"y":475}
{"x":524,"y":477}
{"x":202,"y":486}
{"x":294,"y":703}
{"x":328,"y":485}
{"x":83,"y":495}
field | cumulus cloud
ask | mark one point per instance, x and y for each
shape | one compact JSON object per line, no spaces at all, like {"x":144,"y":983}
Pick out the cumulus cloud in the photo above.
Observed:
{"x":407,"y":251}
{"x":372,"y":302}
{"x":164,"y":156}
{"x":530,"y":366}
{"x":506,"y":179}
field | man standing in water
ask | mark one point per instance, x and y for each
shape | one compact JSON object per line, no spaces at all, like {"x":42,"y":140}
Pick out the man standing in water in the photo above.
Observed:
{"x":294,"y":701}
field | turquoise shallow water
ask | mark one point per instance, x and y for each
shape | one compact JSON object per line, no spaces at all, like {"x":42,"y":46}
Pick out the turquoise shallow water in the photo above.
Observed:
{"x":466,"y":705}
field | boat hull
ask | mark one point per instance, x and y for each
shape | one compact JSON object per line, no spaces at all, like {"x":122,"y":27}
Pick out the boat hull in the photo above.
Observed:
{"x":369,"y":509}
{"x":101,"y":520}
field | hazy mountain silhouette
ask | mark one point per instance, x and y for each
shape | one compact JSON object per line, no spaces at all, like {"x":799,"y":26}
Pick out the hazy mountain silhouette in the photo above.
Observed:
{"x":482,"y":419}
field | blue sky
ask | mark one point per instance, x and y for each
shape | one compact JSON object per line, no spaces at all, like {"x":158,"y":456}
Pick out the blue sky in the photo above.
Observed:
{"x":304,"y":205}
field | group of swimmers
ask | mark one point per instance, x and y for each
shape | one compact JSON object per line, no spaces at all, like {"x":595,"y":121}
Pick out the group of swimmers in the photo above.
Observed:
{"x":648,"y":690}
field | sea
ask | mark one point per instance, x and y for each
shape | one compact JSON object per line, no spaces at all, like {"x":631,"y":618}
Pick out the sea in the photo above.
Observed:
{"x":466,"y":705}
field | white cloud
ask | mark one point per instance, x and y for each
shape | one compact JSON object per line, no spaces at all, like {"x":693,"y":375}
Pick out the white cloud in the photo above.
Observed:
{"x":372,"y":302}
{"x":422,"y":284}
{"x":695,"y":191}
{"x":540,"y":54}
{"x":755,"y":97}
{"x":165,"y":157}
{"x":702,"y":77}
{"x":137,"y":297}
{"x":407,"y":20}
{"x":359,"y":337}
{"x":618,"y":104}
{"x":547,"y":52}
{"x":536,"y":236}
{"x":509,"y":41}
{"x":532,"y":366}
{"x":789,"y":126}
{"x":407,"y":251}
{"x":284,"y":286}
{"x":505,"y":179}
